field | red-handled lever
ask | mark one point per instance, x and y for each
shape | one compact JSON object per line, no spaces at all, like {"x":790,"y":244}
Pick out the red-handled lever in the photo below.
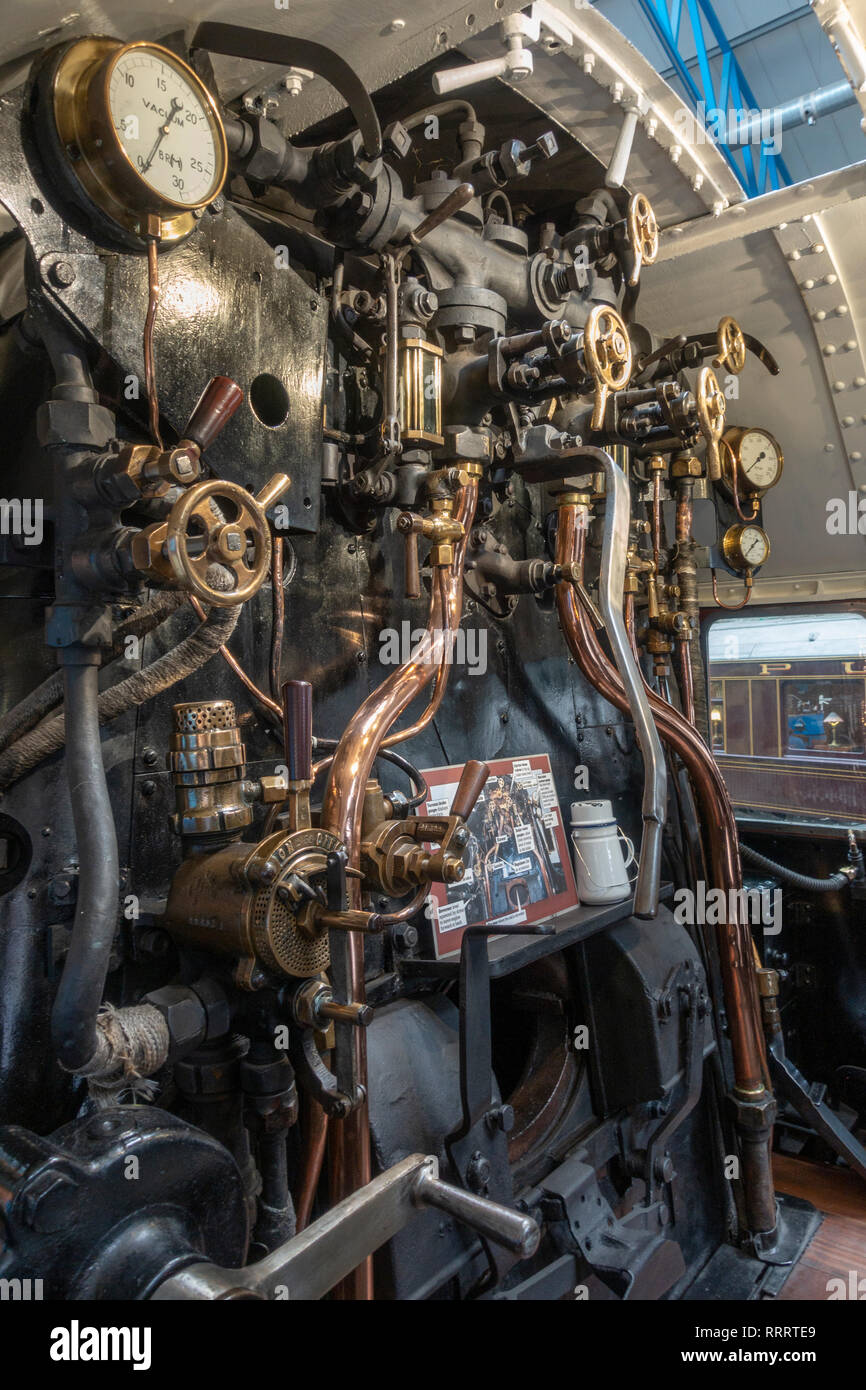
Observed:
{"x":215,"y":407}
{"x":298,"y":729}
{"x":469,"y":788}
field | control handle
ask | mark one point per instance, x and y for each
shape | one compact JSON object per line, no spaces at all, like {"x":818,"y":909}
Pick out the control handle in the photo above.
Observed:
{"x":214,"y":408}
{"x":469,"y":788}
{"x":298,"y":729}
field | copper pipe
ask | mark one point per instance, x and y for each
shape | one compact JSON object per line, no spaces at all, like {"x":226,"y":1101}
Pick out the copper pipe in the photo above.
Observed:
{"x":349,"y":1144}
{"x":629,"y":625}
{"x":234,"y":665}
{"x":401,"y":735}
{"x":734,"y":938}
{"x":732,"y":607}
{"x":279,"y":615}
{"x":687,"y":579}
{"x":442,"y":674}
{"x":687,"y":690}
{"x":316,"y":1135}
{"x":150,"y":317}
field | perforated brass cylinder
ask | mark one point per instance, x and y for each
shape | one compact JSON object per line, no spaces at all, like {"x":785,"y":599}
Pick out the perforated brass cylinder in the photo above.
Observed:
{"x":207,"y":760}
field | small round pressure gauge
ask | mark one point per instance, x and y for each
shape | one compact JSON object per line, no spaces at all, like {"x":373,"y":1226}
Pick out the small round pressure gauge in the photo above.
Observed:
{"x":757,"y":458}
{"x":142,"y":134}
{"x":745,"y":547}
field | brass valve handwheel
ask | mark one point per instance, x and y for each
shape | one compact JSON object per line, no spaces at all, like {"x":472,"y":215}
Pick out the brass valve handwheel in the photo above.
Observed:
{"x":731,"y":344}
{"x":643,"y":233}
{"x":607,"y":354}
{"x":711,"y":417}
{"x":220,"y":520}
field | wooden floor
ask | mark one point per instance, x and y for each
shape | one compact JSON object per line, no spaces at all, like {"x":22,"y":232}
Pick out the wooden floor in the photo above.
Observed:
{"x":838,"y":1247}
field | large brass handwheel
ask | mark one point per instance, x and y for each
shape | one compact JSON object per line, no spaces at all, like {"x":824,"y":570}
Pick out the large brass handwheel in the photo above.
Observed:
{"x":607,"y":354}
{"x":711,"y":418}
{"x":220,"y":523}
{"x":731,"y":344}
{"x":643,"y":233}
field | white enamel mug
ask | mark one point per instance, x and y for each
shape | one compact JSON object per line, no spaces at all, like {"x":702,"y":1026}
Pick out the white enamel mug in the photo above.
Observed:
{"x":599,"y":867}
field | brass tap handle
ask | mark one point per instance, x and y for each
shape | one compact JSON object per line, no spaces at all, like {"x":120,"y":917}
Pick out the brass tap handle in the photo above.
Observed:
{"x":711,"y":418}
{"x":608,"y":357}
{"x":215,"y":407}
{"x":412,"y":527}
{"x":469,"y":788}
{"x":228,"y":523}
{"x":731,"y":344}
{"x":298,"y":729}
{"x":643,"y":234}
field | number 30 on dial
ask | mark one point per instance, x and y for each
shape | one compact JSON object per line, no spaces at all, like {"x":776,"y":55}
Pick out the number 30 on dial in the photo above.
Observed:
{"x":142,"y":133}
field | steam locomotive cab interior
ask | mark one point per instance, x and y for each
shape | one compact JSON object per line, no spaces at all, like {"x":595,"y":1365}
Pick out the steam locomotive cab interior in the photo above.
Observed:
{"x":433,"y":690}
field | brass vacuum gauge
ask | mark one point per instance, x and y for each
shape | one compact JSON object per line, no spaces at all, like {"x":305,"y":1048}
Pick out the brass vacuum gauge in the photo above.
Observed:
{"x":757,"y":458}
{"x":142,"y":133}
{"x":745,"y":547}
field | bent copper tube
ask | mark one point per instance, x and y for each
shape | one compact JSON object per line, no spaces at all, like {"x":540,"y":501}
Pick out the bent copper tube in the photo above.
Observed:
{"x":734,"y":938}
{"x":617,"y":518}
{"x":349,"y":1145}
{"x":315,"y":1139}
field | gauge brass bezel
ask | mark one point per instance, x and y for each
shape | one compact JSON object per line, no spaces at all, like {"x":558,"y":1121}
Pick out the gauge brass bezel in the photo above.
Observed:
{"x":732,"y":440}
{"x":732,"y":546}
{"x":82,"y":115}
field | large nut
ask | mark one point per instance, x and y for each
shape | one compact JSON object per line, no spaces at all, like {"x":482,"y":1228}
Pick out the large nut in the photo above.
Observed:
{"x":184,"y":1013}
{"x":273,"y":789}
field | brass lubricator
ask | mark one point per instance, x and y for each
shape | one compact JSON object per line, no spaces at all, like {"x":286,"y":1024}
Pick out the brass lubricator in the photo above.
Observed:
{"x":261,"y":903}
{"x":207,"y":760}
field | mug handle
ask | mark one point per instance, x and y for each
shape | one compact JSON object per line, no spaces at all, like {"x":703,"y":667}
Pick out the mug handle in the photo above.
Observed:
{"x":631,"y":859}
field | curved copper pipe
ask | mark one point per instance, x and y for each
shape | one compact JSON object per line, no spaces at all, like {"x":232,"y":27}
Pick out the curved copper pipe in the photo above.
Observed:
{"x":149,"y":321}
{"x":687,"y":690}
{"x":731,"y":607}
{"x":401,"y":735}
{"x":741,"y":992}
{"x":316,"y":1135}
{"x":349,"y":1144}
{"x":234,"y":665}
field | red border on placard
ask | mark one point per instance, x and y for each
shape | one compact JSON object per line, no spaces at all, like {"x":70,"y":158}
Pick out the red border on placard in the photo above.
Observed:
{"x":447,"y":940}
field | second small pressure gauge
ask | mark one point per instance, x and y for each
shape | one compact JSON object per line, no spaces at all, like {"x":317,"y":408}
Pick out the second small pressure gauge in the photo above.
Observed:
{"x":745,"y":547}
{"x":757,"y":458}
{"x":142,"y":134}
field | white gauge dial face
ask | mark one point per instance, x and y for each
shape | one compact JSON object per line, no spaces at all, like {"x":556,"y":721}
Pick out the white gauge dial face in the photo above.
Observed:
{"x":754,"y":546}
{"x":165,"y":128}
{"x":759,"y":458}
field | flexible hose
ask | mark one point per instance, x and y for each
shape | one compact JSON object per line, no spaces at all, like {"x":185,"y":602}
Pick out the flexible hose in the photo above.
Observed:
{"x":791,"y":877}
{"x":188,"y":656}
{"x":79,"y":995}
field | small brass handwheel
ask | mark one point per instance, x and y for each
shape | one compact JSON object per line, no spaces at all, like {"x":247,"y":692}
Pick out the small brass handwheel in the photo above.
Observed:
{"x":711,"y":417}
{"x":607,"y":354}
{"x":643,"y":233}
{"x":731,"y":344}
{"x":217,"y":523}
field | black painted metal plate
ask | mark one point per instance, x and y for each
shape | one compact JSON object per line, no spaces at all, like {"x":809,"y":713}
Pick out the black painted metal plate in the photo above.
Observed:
{"x":230,"y":305}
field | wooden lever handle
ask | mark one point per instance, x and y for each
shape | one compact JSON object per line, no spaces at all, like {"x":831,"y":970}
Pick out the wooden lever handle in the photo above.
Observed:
{"x":298,"y":729}
{"x":215,"y":407}
{"x":469,"y":788}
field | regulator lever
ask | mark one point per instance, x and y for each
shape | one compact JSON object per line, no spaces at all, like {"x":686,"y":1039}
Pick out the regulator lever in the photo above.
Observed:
{"x":214,"y":408}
